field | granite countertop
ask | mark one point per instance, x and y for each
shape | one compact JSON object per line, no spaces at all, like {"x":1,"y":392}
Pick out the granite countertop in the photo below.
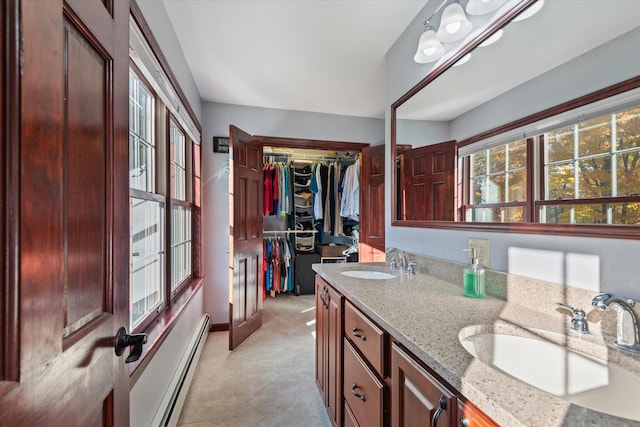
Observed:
{"x":425,"y":314}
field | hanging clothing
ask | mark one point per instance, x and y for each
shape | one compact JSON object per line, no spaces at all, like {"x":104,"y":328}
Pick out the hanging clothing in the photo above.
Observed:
{"x":337,"y":224}
{"x":268,"y":190}
{"x":328,"y":200}
{"x":276,"y":189}
{"x":316,"y":188}
{"x":278,"y":265}
{"x":277,"y":192}
{"x":351,"y":193}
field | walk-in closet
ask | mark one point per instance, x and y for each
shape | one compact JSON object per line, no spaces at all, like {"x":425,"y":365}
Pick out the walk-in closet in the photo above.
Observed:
{"x":311,"y":214}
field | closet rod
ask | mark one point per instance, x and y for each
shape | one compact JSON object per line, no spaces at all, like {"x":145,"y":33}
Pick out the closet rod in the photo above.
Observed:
{"x":294,"y":157}
{"x":275,"y":232}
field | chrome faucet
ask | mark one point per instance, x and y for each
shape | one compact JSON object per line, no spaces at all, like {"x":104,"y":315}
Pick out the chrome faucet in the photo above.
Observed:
{"x":392,"y":261}
{"x":579,"y":325}
{"x":405,"y":265}
{"x":628,"y":334}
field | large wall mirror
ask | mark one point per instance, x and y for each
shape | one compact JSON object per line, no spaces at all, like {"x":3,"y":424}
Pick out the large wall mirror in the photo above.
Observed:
{"x":486,"y":130}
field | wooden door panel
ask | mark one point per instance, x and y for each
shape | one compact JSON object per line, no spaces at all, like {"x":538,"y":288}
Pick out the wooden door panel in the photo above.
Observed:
{"x":67,"y":208}
{"x":253,"y":196}
{"x":240,"y":214}
{"x":246,"y":298}
{"x":418,"y":165}
{"x":428,"y":182}
{"x":376,"y":195}
{"x":245,"y":188}
{"x":439,"y":199}
{"x":372,"y":218}
{"x":418,"y":197}
{"x":84,"y":186}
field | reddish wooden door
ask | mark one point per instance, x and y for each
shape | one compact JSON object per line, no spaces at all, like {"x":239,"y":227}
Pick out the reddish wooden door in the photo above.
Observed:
{"x":245,"y":217}
{"x":372,"y":205}
{"x":428,"y":182}
{"x":65,"y":280}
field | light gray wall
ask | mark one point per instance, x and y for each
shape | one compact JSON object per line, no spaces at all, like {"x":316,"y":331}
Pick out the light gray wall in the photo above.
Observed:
{"x":151,"y":392}
{"x":419,"y":133}
{"x":617,"y":258}
{"x":291,"y":124}
{"x":601,"y":67}
{"x":216,"y":119}
{"x":162,"y":29}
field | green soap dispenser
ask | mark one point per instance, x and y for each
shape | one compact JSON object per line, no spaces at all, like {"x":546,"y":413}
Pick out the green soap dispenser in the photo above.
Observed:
{"x":473,"y":278}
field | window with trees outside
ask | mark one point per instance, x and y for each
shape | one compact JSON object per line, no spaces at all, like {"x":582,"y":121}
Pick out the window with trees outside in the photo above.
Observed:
{"x":592,"y":171}
{"x":497,"y":182}
{"x":586,"y":172}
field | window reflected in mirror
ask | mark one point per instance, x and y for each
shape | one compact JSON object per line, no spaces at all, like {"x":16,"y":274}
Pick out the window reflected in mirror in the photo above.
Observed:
{"x":539,"y":134}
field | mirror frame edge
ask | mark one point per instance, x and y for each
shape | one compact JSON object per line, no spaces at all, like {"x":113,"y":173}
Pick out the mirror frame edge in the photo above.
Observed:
{"x":576,"y":230}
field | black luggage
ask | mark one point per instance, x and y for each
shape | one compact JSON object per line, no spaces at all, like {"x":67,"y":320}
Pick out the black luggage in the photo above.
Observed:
{"x":304,"y":276}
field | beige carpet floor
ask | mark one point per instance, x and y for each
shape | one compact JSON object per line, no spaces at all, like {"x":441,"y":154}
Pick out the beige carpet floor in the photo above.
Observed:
{"x":267,"y":381}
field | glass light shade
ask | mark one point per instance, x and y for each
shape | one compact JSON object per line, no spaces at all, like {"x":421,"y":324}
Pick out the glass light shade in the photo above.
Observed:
{"x":532,"y":10}
{"x":463,"y":60}
{"x":429,"y":48}
{"x":492,"y":38}
{"x":454,"y":24}
{"x":480,"y":7}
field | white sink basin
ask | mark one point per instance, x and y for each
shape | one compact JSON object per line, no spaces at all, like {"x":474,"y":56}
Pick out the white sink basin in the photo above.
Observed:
{"x":368,"y":274}
{"x":581,"y":379}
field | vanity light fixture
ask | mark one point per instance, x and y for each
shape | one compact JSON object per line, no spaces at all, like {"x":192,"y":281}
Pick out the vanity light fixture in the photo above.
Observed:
{"x":531,"y":10}
{"x":480,"y":7}
{"x":454,"y":24}
{"x":429,"y":47}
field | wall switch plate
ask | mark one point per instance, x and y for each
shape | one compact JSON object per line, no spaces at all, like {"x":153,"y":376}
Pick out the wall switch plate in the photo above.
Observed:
{"x":482,"y":250}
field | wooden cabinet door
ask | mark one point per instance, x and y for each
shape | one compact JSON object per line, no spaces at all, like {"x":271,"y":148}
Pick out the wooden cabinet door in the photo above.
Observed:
{"x":321,"y":337}
{"x":372,"y":227}
{"x":245,"y":216}
{"x":65,"y":213}
{"x":417,"y":398}
{"x":334,"y":358}
{"x":329,"y":315}
{"x":428,"y":182}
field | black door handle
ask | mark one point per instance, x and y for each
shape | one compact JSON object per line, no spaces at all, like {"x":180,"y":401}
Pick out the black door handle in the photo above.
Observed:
{"x":124,"y":340}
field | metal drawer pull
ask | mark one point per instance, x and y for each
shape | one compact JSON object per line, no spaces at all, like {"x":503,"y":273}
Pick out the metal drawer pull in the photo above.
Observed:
{"x":358,"y":334}
{"x":354,"y":390}
{"x":443,"y":407}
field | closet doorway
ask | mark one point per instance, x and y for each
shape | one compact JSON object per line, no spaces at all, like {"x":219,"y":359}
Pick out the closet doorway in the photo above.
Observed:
{"x":247,"y":155}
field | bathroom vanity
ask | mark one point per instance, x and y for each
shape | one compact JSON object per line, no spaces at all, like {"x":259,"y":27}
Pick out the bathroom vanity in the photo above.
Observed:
{"x":390,"y":353}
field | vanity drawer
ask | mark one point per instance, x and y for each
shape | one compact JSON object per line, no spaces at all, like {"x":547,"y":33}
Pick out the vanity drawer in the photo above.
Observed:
{"x":363,"y":392}
{"x":349,"y":418}
{"x":366,"y":336}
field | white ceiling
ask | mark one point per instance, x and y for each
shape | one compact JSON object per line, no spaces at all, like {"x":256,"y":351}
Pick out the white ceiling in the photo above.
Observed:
{"x":324,"y":56}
